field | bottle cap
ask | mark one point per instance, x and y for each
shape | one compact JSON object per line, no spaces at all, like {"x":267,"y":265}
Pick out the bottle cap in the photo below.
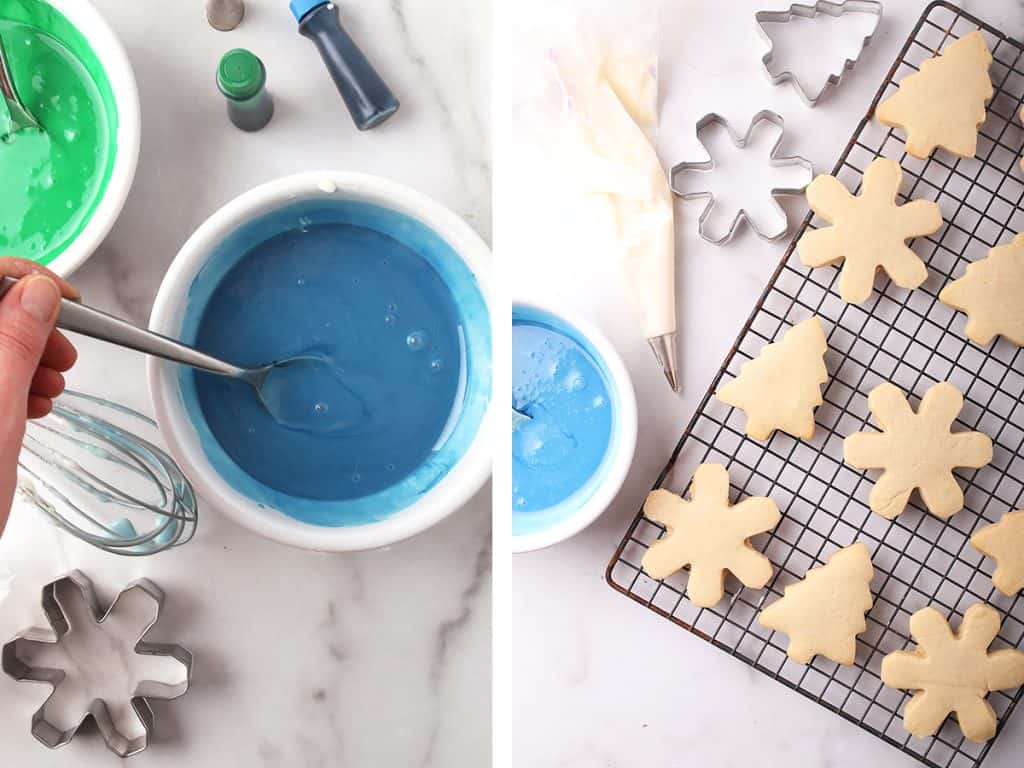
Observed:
{"x":301,"y":7}
{"x":241,"y":74}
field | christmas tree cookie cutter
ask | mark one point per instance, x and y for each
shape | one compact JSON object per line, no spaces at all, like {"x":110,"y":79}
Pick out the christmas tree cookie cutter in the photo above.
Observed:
{"x":835,"y":9}
{"x":57,"y":614}
{"x":740,"y":142}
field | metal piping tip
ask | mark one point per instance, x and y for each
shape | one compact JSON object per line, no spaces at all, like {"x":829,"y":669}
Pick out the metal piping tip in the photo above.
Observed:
{"x":664,"y":348}
{"x":225,"y":15}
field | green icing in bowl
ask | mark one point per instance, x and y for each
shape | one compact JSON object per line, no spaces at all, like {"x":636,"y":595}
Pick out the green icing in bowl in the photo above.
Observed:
{"x":52,"y":181}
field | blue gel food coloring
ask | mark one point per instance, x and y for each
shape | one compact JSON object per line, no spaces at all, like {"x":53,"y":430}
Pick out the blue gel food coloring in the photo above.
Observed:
{"x":390,"y":375}
{"x":560,"y":383}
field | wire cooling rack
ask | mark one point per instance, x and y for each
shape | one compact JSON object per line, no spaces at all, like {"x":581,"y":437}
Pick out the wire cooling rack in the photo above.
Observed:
{"x":913,"y":340}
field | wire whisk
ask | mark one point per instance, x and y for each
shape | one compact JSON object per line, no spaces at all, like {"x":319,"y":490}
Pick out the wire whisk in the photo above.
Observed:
{"x":88,"y":468}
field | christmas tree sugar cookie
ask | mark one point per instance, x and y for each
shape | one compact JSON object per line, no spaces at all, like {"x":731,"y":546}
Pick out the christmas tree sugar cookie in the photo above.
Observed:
{"x":710,"y":536}
{"x":869,"y":231}
{"x":781,"y":387}
{"x":1004,"y":543}
{"x":824,"y":613}
{"x":917,"y":450}
{"x":953,"y":673}
{"x":992,"y":294}
{"x":943,"y":104}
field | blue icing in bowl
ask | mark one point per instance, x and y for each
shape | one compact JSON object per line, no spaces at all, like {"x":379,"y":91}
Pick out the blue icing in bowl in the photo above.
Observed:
{"x":561,"y":454}
{"x":399,"y":318}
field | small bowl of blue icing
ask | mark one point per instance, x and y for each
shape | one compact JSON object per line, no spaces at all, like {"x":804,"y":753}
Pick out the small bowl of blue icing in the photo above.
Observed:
{"x":388,"y":292}
{"x":574,"y":424}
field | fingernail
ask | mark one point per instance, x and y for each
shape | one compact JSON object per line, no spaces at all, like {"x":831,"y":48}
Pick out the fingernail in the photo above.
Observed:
{"x":40,"y":297}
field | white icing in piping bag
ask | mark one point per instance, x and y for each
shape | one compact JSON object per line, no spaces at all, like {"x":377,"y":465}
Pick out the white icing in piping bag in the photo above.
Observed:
{"x":616,"y":108}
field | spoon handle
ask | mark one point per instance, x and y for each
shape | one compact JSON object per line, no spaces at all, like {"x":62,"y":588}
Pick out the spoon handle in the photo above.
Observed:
{"x":6,"y":81}
{"x":20,"y":116}
{"x":87,"y":321}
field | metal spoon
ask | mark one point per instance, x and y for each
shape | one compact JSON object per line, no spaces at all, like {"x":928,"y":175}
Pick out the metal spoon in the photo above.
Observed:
{"x":79,"y":318}
{"x":21,"y":118}
{"x":519,"y":417}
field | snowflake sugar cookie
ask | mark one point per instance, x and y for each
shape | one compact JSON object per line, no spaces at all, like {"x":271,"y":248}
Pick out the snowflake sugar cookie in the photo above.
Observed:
{"x":992,"y":294}
{"x":781,"y":387}
{"x":709,"y":535}
{"x":917,"y":450}
{"x":953,"y":673}
{"x":1004,"y":543}
{"x":943,"y":104}
{"x":824,"y":613}
{"x":869,"y":231}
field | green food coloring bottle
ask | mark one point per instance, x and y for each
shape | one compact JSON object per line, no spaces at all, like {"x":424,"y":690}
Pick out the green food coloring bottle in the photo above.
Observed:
{"x":242,"y":78}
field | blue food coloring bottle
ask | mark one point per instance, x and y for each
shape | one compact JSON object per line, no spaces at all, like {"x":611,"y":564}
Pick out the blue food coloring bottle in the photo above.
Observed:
{"x":367,"y":96}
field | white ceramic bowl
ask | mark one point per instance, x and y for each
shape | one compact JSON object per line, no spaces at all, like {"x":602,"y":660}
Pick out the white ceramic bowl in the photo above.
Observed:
{"x":613,"y":471}
{"x":464,"y":479}
{"x":111,"y":54}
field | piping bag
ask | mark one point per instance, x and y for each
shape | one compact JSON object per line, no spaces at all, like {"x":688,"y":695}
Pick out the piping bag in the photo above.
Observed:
{"x":613,"y":105}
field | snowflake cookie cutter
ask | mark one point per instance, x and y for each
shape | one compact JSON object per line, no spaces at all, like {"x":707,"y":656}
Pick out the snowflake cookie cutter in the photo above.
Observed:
{"x":740,"y":142}
{"x":797,"y":10}
{"x":43,"y":728}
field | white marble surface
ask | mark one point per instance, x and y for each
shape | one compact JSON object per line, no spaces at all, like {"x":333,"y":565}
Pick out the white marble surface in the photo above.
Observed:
{"x":379,"y":658}
{"x":598,"y":680}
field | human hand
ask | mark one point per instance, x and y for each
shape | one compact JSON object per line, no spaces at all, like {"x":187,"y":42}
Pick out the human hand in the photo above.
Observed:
{"x":32,"y":358}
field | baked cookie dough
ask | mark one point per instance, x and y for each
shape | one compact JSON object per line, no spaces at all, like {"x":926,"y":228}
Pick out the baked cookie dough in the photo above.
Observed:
{"x":781,"y":387}
{"x":869,"y":231}
{"x":824,"y":613}
{"x":1022,"y":120}
{"x":943,"y":104}
{"x":953,"y":673}
{"x":916,"y":450}
{"x":710,"y":536}
{"x":1004,"y":543}
{"x":992,"y":294}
